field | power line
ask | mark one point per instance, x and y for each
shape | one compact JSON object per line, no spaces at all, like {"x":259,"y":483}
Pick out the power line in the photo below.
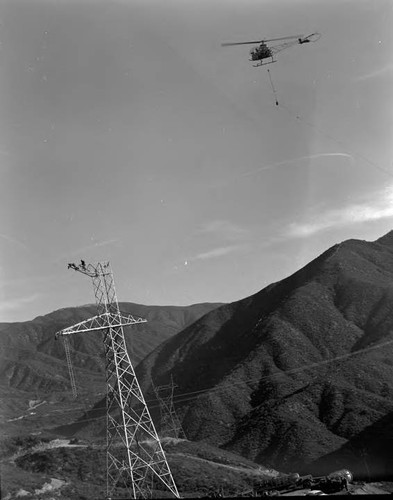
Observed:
{"x":196,"y":394}
{"x":326,"y":134}
{"x":286,"y":372}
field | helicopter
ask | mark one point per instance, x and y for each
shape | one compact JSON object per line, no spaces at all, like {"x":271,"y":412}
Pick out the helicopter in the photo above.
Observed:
{"x":263,"y":51}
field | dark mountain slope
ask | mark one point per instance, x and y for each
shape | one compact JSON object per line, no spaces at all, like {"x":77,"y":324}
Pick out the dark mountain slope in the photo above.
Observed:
{"x":291,"y":373}
{"x":32,"y":360}
{"x":370,"y":452}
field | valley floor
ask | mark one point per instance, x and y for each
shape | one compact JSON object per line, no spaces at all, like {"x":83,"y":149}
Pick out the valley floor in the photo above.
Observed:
{"x":63,"y":469}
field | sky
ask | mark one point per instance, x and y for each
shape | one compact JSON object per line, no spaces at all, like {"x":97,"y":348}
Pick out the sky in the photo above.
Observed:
{"x":129,"y":134}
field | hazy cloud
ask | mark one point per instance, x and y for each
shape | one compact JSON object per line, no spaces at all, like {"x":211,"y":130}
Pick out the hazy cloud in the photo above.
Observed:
{"x":224,"y":229}
{"x":294,"y":160}
{"x":223,"y":237}
{"x":384,"y":71}
{"x":7,"y":305}
{"x":217,"y":252}
{"x":13,"y":240}
{"x":380,"y":207}
{"x":87,"y":248}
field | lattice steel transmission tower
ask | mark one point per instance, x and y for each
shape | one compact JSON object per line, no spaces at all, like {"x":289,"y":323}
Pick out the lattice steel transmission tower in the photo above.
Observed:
{"x":136,"y":462}
{"x":170,"y":423}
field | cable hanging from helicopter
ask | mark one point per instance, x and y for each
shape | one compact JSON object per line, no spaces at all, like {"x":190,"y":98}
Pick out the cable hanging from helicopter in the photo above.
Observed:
{"x":263,"y":51}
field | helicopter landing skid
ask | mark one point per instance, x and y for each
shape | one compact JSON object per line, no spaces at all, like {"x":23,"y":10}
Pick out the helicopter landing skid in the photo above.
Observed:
{"x":263,"y":64}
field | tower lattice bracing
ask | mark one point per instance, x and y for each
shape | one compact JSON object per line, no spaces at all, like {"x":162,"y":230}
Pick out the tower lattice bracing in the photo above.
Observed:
{"x":136,"y":462}
{"x":170,"y":423}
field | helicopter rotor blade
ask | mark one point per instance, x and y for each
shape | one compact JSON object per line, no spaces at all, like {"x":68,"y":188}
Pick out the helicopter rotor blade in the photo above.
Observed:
{"x":227,"y":44}
{"x":283,"y":38}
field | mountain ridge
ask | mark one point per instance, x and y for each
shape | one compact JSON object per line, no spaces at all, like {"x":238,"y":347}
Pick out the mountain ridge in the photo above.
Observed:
{"x":293,"y":372}
{"x":33,"y":361}
{"x":287,"y":376}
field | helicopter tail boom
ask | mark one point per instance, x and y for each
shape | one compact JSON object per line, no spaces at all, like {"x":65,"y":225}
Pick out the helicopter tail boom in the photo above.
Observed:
{"x":310,"y":38}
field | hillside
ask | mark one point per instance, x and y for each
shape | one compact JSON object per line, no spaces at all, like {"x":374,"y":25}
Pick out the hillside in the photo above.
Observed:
{"x":47,"y":468}
{"x":296,"y":371}
{"x":297,"y":377}
{"x":32,"y":362}
{"x":370,"y":452}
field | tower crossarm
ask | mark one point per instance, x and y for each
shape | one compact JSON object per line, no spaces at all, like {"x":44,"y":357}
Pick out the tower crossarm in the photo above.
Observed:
{"x":100,"y":322}
{"x":135,"y":458}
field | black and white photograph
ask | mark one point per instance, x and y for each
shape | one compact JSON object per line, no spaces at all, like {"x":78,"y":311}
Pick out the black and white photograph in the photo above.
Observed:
{"x":196,"y":248}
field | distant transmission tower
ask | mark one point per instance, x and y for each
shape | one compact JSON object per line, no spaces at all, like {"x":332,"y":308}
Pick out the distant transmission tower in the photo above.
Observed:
{"x":170,"y":423}
{"x":70,"y":367}
{"x":136,"y":461}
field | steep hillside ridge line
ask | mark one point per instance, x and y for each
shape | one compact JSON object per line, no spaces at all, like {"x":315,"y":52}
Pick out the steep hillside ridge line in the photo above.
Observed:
{"x":276,"y":394}
{"x":386,"y":240}
{"x":33,"y":360}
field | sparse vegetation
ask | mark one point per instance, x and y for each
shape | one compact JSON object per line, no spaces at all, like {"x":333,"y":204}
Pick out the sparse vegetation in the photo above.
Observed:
{"x":295,"y":370}
{"x":295,"y":378}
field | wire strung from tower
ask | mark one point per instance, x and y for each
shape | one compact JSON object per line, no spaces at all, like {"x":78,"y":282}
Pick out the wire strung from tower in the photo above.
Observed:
{"x":326,"y":134}
{"x":193,"y":395}
{"x":298,"y":117}
{"x":274,"y":90}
